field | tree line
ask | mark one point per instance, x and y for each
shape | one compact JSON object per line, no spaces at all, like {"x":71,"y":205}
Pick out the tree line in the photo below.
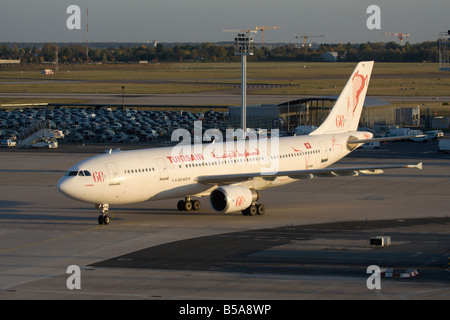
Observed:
{"x":211,"y":52}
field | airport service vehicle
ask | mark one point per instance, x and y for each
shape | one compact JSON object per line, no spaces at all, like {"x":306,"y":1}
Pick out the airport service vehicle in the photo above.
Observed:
{"x":399,"y":132}
{"x":230,"y":173}
{"x":444,"y":145}
{"x":434,"y":134}
{"x":371,"y":145}
{"x":45,"y":144}
{"x":9,"y":143}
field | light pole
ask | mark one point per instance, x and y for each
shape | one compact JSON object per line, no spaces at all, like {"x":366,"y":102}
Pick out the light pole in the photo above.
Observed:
{"x":243,"y":46}
{"x":123,"y":103}
{"x":289,"y":111}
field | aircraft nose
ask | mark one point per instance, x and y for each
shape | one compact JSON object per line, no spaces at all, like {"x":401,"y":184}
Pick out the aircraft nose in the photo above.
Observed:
{"x":64,"y":186}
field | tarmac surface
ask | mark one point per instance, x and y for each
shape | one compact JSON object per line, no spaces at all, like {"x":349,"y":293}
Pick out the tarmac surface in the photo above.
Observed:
{"x":312,"y":243}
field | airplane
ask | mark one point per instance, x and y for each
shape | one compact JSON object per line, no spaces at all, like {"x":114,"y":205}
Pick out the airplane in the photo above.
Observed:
{"x":230,"y":173}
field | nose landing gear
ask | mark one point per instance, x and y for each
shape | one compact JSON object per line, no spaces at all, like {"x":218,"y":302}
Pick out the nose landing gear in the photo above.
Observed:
{"x":103,"y":218}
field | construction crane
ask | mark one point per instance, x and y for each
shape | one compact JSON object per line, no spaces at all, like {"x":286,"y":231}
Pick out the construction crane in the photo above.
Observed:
{"x":306,"y":36}
{"x":262,"y":29}
{"x":399,"y":35}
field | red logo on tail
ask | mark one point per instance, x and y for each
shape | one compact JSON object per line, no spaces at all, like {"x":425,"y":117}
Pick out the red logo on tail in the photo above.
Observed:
{"x":359,"y":90}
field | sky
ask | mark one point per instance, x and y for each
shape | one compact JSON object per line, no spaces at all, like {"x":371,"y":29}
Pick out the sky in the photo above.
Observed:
{"x":340,"y":21}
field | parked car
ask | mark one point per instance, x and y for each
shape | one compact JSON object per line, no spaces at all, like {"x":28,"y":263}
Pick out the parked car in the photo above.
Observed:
{"x":75,"y":137}
{"x":132,"y":139}
{"x":434,"y":134}
{"x":371,"y":145}
{"x":421,"y":138}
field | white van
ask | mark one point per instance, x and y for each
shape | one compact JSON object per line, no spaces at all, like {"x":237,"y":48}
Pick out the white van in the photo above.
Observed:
{"x":444,"y":145}
{"x":50,"y":144}
{"x":9,"y":143}
{"x":371,"y":145}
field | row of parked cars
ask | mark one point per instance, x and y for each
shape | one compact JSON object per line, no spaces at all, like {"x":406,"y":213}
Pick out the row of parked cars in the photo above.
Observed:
{"x":416,"y":135}
{"x":107,"y":125}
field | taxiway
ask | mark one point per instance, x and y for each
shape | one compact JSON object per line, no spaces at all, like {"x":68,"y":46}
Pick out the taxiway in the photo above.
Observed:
{"x":313,"y":242}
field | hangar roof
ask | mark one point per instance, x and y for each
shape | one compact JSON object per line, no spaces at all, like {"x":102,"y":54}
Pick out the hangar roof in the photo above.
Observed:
{"x":369,"y":102}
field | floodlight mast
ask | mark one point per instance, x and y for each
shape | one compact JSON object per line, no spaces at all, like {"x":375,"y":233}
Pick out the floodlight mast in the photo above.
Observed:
{"x":243,"y":46}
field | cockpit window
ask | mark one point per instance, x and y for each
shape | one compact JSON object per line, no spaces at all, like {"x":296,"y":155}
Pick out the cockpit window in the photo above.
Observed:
{"x":81,"y":173}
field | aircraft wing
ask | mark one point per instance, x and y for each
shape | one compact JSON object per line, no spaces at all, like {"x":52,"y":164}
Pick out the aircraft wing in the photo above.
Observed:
{"x":300,"y":174}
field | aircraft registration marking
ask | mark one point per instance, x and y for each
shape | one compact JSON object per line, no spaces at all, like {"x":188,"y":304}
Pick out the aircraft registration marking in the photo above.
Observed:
{"x":181,"y":179}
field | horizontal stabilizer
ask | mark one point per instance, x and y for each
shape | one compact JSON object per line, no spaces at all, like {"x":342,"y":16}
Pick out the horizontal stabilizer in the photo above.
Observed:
{"x":363,"y":141}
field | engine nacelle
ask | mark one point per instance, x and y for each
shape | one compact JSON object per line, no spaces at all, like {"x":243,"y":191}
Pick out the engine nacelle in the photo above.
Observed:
{"x":232,"y":198}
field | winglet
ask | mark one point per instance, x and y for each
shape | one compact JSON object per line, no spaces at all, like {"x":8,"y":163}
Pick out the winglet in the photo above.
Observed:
{"x":419,"y":166}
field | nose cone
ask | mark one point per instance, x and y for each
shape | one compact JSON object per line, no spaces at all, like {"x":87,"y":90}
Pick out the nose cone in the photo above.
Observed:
{"x":65,"y":186}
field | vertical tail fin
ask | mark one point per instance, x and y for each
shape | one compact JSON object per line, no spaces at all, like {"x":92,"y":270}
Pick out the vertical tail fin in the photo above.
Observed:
{"x":345,"y":114}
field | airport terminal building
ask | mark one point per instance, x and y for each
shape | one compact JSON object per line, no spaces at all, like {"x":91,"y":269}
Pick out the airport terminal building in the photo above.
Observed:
{"x":310,"y":111}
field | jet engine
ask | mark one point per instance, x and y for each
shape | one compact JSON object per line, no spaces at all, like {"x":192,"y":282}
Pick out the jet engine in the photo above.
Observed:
{"x":232,"y":198}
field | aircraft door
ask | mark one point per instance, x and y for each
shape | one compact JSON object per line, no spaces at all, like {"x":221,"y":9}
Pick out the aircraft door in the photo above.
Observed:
{"x":324,"y":151}
{"x":163,"y":172}
{"x":113,"y":173}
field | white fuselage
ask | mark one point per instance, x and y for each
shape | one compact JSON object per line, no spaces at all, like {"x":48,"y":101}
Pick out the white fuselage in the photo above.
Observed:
{"x":172,"y":172}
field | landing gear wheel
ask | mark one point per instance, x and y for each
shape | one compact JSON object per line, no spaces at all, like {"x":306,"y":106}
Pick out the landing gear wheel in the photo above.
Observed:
{"x":188,"y":205}
{"x":252,"y":210}
{"x":260,"y":209}
{"x":103,"y":217}
{"x":196,"y":205}
{"x":180,"y":205}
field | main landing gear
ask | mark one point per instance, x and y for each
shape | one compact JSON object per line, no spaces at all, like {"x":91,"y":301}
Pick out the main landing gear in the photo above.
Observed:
{"x":254,"y":209}
{"x":103,"y":218}
{"x":188,"y":204}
